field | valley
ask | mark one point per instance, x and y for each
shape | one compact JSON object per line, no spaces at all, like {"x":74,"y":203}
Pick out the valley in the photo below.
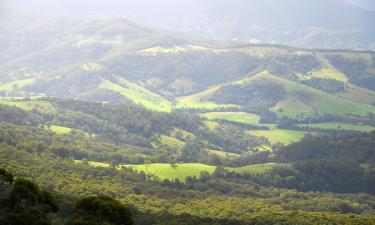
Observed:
{"x":107,"y":121}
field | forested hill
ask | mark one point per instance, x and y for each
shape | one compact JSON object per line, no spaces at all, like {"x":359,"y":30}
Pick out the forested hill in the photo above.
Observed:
{"x":178,"y":167}
{"x":119,"y":61}
{"x":107,"y":121}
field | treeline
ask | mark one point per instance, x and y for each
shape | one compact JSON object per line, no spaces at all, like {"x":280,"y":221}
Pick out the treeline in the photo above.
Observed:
{"x":262,"y":94}
{"x":326,"y":85}
{"x":129,"y":125}
{"x":76,"y":145}
{"x":356,"y":69}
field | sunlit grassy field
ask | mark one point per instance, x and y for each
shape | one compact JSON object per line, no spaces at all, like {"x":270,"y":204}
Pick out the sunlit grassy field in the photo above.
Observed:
{"x":241,"y":117}
{"x":40,"y":106}
{"x":139,"y":95}
{"x":223,"y":154}
{"x":60,"y":129}
{"x":279,"y":136}
{"x":167,"y":171}
{"x":182,"y":170}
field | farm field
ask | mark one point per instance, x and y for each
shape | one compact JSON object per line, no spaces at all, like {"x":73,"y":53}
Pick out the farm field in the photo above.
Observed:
{"x":340,"y":126}
{"x":279,"y":135}
{"x":167,"y":171}
{"x":182,"y":170}
{"x":60,"y":129}
{"x":240,"y":117}
{"x":292,"y":108}
{"x":94,"y":164}
{"x":223,"y":154}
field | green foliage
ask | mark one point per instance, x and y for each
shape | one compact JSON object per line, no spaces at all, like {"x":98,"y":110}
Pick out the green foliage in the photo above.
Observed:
{"x":6,"y":176}
{"x":357,"y":69}
{"x":260,"y":94}
{"x":27,"y":204}
{"x":256,"y":168}
{"x":101,"y":210}
{"x":340,"y":126}
{"x":326,"y":85}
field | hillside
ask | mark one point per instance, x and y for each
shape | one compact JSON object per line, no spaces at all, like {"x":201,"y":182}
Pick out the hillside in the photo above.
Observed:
{"x":214,"y":112}
{"x":328,"y":24}
{"x":163,"y":168}
{"x":291,"y":90}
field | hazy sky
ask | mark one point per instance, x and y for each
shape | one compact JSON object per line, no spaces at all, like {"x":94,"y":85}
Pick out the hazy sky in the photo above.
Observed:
{"x":120,"y":7}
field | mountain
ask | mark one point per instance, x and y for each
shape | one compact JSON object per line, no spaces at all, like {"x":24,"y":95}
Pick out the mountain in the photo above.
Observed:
{"x":119,"y":61}
{"x":107,"y":121}
{"x":308,"y":23}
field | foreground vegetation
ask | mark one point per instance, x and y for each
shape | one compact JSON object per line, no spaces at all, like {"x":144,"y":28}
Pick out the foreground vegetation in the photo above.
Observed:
{"x":162,"y":166}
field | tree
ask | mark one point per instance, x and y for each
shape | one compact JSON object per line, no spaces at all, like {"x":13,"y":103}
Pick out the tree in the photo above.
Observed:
{"x":101,"y":210}
{"x":28,"y":205}
{"x":6,"y":176}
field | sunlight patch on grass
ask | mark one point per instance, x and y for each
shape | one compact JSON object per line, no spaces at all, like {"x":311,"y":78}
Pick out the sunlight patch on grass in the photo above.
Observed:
{"x":59,"y":129}
{"x":14,"y":85}
{"x":138,"y":95}
{"x":179,"y":171}
{"x":279,"y":136}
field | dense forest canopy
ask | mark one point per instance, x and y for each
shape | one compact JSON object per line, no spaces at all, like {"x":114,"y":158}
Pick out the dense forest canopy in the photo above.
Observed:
{"x":328,"y":178}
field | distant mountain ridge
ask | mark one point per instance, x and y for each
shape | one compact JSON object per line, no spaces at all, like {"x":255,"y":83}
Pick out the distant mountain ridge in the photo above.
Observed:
{"x":120,"y":61}
{"x":302,"y":23}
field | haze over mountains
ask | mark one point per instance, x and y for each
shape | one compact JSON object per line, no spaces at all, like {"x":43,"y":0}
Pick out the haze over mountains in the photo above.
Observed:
{"x":187,"y":112}
{"x":306,"y":23}
{"x":115,"y":60}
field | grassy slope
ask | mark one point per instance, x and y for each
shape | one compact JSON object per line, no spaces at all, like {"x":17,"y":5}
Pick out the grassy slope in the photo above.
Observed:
{"x":138,"y":95}
{"x":223,"y":154}
{"x":183,"y":170}
{"x":60,"y":129}
{"x":166,"y":171}
{"x":316,"y":100}
{"x":277,"y":135}
{"x":171,"y":142}
{"x":358,"y":94}
{"x":240,"y":117}
{"x":18,"y":84}
{"x":41,"y":106}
